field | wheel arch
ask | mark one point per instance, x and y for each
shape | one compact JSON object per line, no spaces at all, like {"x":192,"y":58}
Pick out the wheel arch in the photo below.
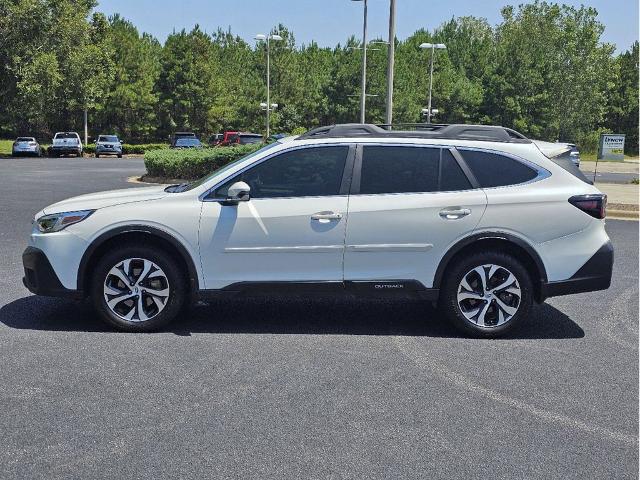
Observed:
{"x":147,"y":234}
{"x":496,"y":240}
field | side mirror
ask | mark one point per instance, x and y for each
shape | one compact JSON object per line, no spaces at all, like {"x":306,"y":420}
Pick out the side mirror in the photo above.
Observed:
{"x":238,"y":192}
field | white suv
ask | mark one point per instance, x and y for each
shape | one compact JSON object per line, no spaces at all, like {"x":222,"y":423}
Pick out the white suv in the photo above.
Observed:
{"x":473,"y":218}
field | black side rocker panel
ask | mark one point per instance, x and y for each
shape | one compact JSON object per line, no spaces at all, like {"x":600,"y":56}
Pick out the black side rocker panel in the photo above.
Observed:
{"x":376,"y":288}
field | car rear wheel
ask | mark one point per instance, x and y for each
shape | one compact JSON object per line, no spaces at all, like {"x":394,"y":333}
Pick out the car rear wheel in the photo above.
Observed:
{"x":487,"y":294}
{"x":138,"y":289}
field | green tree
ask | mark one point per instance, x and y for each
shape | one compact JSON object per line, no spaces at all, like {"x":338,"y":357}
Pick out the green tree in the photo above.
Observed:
{"x":622,"y":110}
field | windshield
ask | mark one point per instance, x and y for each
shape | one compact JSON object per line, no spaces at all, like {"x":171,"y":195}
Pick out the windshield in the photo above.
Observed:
{"x":25,"y":139}
{"x":108,"y":138}
{"x":66,"y":135}
{"x":244,"y":139}
{"x":215,"y":173}
{"x":187,"y":142}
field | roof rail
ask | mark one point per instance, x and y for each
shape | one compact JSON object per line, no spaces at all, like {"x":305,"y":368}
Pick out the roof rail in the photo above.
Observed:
{"x":487,"y":133}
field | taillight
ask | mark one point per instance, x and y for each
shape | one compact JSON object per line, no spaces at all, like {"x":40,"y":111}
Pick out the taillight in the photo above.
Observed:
{"x":594,"y":205}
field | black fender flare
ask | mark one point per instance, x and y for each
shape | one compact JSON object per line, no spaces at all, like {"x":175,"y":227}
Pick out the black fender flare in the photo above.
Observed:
{"x":192,"y":272}
{"x":502,"y":236}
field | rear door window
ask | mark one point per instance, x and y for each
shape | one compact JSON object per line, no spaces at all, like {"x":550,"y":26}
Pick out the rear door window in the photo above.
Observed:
{"x":397,"y":169}
{"x":495,"y":170}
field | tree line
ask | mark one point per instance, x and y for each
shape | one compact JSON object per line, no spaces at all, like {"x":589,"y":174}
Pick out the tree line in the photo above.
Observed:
{"x":543,"y":70}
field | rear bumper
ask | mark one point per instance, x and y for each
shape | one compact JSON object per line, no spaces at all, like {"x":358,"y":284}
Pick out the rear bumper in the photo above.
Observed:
{"x":40,"y":278}
{"x":59,"y":149}
{"x":593,"y":275}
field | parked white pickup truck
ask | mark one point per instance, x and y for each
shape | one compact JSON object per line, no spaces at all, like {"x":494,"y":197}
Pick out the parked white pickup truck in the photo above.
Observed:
{"x":65,"y":143}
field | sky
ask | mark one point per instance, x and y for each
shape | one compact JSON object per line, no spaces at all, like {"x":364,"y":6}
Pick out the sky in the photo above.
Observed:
{"x":330,"y":22}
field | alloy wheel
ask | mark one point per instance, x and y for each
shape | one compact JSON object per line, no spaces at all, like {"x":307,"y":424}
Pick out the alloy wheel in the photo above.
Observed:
{"x":489,"y":295}
{"x":136,"y":289}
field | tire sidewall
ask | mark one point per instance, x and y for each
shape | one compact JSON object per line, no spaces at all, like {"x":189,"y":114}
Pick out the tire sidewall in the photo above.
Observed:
{"x":449,"y":300}
{"x":174,"y":275}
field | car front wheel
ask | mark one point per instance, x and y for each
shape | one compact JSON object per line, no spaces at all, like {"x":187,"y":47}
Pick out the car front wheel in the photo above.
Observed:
{"x":138,"y":289}
{"x":487,"y":294}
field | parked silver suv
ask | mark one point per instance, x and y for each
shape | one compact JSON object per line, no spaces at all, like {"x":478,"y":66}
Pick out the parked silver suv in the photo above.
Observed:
{"x":108,"y":145}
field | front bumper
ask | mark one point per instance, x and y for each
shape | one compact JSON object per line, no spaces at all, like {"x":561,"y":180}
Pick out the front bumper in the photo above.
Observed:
{"x":40,"y":278}
{"x":593,"y":275}
{"x":102,"y":150}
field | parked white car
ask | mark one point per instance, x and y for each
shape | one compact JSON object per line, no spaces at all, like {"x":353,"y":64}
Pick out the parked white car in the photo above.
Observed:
{"x":65,"y":143}
{"x":473,"y":218}
{"x":26,"y":146}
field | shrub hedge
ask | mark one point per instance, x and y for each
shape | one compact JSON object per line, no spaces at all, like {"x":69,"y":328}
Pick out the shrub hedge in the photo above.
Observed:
{"x":129,"y":149}
{"x":193,"y":163}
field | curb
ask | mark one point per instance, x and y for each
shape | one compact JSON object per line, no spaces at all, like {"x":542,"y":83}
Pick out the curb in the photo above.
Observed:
{"x":622,"y":214}
{"x":151,"y":180}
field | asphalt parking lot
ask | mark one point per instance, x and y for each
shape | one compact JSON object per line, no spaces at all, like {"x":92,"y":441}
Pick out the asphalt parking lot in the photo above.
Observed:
{"x":307,"y":388}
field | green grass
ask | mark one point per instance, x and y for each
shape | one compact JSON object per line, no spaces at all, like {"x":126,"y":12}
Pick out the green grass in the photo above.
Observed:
{"x":591,"y":157}
{"x":5,"y":147}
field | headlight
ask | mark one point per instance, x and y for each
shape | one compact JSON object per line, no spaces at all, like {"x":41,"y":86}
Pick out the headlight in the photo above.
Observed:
{"x":58,"y":221}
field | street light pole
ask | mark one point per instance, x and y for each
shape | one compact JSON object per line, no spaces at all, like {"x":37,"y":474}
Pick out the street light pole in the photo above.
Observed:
{"x":269,"y":107}
{"x":433,"y":47}
{"x":390,"y":60}
{"x":268,"y":89}
{"x":363,"y":84}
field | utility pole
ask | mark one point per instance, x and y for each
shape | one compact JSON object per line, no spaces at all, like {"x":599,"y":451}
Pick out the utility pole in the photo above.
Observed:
{"x":86,"y":126}
{"x":390,"y":60}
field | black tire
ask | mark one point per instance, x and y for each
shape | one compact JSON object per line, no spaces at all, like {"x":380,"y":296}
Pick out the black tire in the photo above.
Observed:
{"x":120,"y":155}
{"x":448,"y":302}
{"x":174,"y":276}
{"x":97,"y":155}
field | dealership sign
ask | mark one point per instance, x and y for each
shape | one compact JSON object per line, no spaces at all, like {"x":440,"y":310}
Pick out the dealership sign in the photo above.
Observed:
{"x":611,"y":147}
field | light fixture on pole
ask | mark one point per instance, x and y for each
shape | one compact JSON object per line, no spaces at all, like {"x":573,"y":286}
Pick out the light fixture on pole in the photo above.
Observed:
{"x":268,"y":107}
{"x":363,"y":84}
{"x":433,"y":47}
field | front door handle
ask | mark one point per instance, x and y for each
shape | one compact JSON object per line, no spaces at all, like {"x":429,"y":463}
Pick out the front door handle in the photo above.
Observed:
{"x":454,"y":213}
{"x":325,"y":217}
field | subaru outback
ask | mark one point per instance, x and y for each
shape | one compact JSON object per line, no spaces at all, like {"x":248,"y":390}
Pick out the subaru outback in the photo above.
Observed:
{"x":475,"y":219}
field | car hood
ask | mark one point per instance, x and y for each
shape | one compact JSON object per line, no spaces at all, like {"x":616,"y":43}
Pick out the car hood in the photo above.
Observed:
{"x":93,"y":201}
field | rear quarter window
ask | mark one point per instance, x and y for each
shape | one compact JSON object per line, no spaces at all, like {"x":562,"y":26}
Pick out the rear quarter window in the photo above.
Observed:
{"x":495,"y":170}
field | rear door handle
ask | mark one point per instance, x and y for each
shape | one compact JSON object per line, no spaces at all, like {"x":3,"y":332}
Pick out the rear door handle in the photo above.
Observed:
{"x":324,"y":217}
{"x":454,"y":213}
